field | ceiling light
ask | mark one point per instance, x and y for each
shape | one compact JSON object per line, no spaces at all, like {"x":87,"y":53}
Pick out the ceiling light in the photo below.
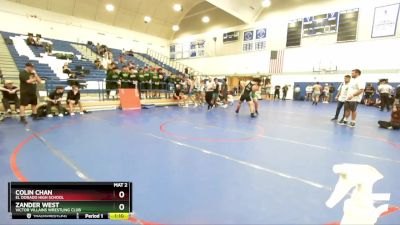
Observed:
{"x":178,"y":7}
{"x":175,"y":27}
{"x":266,"y":3}
{"x":205,"y":19}
{"x":147,"y":19}
{"x":110,"y":7}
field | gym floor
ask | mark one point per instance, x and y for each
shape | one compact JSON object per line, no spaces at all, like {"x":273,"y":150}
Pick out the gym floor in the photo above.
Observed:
{"x":189,"y":166}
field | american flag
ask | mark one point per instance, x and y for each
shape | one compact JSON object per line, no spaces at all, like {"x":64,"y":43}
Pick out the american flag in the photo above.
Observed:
{"x":276,"y":61}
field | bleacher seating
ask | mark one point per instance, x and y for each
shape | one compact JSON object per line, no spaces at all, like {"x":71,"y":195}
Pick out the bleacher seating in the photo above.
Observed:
{"x":116,"y":53}
{"x":44,"y":70}
{"x":94,"y":79}
{"x":159,"y":63}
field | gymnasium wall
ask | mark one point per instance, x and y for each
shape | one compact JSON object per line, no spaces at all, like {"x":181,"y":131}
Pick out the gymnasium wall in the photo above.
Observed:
{"x":16,"y":18}
{"x":368,"y":54}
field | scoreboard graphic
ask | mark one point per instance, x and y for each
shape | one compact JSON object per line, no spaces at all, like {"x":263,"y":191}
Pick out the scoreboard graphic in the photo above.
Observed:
{"x":70,"y":200}
{"x":320,"y":24}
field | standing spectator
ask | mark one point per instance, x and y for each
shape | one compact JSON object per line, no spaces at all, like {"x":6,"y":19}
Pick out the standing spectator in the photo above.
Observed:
{"x":268,"y":87}
{"x":73,"y":99}
{"x":332,"y":90}
{"x":146,"y":81}
{"x":54,"y":99}
{"x":155,"y":83}
{"x":216,"y":91}
{"x":385,"y":90}
{"x":277,"y":93}
{"x":10,"y":91}
{"x":326,"y":94}
{"x":317,"y":88}
{"x":28,"y":79}
{"x":224,"y":92}
{"x":124,"y":77}
{"x":98,"y":48}
{"x":369,"y":93}
{"x":210,"y":87}
{"x":285,"y":90}
{"x":354,"y":97}
{"x":341,"y":96}
{"x":112,"y":79}
{"x":309,"y":92}
{"x":191,"y":91}
{"x":133,"y":77}
{"x":161,"y":78}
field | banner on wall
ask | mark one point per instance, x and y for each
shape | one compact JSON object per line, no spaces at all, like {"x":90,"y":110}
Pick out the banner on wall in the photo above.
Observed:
{"x":187,"y":49}
{"x":248,"y":35}
{"x":261,"y":33}
{"x":255,"y":40}
{"x":231,"y":36}
{"x":385,"y":20}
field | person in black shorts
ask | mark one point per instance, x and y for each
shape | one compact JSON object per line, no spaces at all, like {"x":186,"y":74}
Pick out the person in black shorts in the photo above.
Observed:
{"x":28,"y":79}
{"x":224,"y":93}
{"x":146,"y":81}
{"x":249,"y":87}
{"x":178,"y":95}
{"x":216,"y":92}
{"x":73,"y":99}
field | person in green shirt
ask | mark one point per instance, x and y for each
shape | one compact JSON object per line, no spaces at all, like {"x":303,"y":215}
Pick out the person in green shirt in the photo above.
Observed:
{"x":112,"y":79}
{"x":146,"y":81}
{"x":160,"y":73}
{"x":124,"y":76}
{"x":133,"y":77}
{"x":178,"y":79}
{"x":155,"y":83}
{"x":140,"y":78}
{"x":172,"y":79}
{"x":170,"y":84}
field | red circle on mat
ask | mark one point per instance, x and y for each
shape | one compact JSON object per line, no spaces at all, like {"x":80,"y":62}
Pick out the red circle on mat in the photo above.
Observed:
{"x":163,"y":129}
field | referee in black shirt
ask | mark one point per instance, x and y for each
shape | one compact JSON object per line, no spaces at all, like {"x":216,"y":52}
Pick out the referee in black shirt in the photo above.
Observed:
{"x":28,"y":79}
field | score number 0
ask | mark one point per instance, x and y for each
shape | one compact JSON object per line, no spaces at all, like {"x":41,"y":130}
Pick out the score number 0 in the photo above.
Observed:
{"x":121,"y":195}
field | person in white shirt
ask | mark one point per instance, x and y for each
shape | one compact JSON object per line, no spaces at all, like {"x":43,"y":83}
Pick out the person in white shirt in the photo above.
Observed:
{"x":326,"y":94}
{"x":385,"y":90}
{"x":309,"y":91}
{"x":354,"y":96}
{"x":268,"y":88}
{"x":210,"y":87}
{"x":341,"y":96}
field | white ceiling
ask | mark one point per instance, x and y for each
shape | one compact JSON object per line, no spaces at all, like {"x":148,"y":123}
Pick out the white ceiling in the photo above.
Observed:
{"x":129,"y":14}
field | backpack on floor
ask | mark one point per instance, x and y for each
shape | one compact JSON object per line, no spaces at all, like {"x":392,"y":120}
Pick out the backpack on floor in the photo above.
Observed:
{"x":42,"y":111}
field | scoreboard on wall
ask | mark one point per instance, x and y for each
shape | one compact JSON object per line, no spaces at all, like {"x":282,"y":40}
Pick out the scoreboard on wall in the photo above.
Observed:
{"x":321,"y":24}
{"x":70,"y":200}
